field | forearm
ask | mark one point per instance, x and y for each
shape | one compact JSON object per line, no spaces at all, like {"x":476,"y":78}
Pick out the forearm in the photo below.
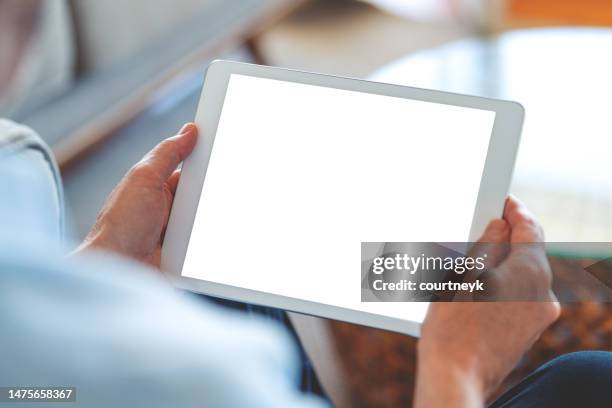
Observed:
{"x":443,"y":382}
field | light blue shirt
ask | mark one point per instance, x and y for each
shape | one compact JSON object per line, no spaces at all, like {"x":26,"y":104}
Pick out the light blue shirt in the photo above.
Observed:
{"x":117,"y":331}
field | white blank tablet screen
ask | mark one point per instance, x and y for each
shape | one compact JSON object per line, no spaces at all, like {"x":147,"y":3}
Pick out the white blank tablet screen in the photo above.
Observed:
{"x":300,"y":175}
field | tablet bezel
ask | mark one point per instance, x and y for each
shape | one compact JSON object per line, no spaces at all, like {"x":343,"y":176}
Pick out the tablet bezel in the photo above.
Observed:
{"x":495,"y":182}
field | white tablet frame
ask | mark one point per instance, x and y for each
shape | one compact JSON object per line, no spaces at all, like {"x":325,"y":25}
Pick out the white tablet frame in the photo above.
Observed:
{"x":497,"y":175}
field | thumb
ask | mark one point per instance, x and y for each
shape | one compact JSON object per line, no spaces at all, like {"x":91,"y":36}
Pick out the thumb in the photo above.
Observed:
{"x":493,"y":244}
{"x":167,"y":155}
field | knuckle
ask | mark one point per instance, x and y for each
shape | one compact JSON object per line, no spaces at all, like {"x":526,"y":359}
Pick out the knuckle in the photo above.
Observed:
{"x":139,"y":168}
{"x":166,"y":144}
{"x":167,"y":149}
{"x":551,"y":311}
{"x":555,"y":310}
{"x":531,"y":223}
{"x":142,"y":169}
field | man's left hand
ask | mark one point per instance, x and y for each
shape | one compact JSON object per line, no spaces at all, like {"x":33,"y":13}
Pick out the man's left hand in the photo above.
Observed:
{"x":134,"y":218}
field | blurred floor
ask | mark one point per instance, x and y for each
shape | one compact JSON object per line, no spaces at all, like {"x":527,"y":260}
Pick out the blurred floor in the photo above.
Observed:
{"x":350,"y":38}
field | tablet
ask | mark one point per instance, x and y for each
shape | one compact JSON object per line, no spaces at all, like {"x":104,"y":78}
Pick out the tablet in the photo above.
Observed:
{"x":294,"y":170}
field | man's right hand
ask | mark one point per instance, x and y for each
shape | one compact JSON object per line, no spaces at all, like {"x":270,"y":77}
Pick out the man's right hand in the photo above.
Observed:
{"x":467,"y":349}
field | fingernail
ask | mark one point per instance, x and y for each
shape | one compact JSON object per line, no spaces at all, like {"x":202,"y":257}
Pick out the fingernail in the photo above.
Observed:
{"x":187,"y":127}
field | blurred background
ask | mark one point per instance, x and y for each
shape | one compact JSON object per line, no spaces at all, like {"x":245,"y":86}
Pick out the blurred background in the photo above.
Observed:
{"x":104,"y":81}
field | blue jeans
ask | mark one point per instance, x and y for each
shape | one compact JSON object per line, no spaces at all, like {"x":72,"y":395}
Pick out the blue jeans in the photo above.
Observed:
{"x":582,"y":379}
{"x":309,"y":382}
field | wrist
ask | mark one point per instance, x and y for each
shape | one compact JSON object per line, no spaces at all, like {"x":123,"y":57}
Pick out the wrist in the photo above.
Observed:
{"x":88,"y":244}
{"x":96,"y":240}
{"x":449,"y":375}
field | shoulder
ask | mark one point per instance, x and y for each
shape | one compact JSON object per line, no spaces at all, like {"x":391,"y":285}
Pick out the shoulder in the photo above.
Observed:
{"x":15,"y":137}
{"x":14,"y":134}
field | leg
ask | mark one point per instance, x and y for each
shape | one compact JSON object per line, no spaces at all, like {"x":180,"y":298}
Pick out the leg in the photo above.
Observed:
{"x":582,"y":379}
{"x":309,"y":381}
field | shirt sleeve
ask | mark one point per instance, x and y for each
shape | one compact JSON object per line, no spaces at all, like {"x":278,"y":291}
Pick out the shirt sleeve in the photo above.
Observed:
{"x":123,"y":337}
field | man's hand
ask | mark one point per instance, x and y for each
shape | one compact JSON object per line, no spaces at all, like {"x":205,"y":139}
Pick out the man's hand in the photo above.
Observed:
{"x":467,"y":349}
{"x":134,"y":217}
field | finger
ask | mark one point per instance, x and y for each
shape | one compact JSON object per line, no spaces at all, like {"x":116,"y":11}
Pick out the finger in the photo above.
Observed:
{"x":524,"y":226}
{"x":524,"y":265}
{"x":166,"y":156}
{"x":497,"y":232}
{"x":527,"y":261}
{"x":493,"y":245}
{"x":173,"y":180}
